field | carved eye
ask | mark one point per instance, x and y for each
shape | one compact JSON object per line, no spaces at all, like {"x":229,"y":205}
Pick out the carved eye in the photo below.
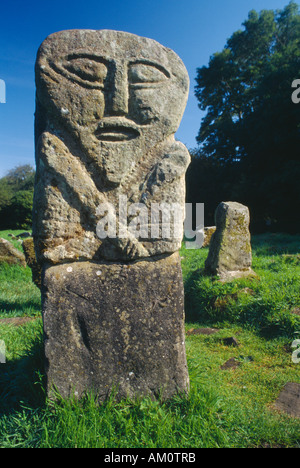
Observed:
{"x":87,"y":69}
{"x":142,"y":74}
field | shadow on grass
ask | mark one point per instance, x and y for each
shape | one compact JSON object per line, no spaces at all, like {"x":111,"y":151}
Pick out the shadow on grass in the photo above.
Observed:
{"x":275,"y":244}
{"x":195,"y":305}
{"x":20,"y":307}
{"x":22,"y":382}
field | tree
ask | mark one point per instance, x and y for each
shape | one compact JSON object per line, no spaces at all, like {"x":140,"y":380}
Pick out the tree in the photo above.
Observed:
{"x":251,"y":126}
{"x":21,"y":177}
{"x":18,"y":214}
{"x":16,"y":198}
{"x":6,"y":192}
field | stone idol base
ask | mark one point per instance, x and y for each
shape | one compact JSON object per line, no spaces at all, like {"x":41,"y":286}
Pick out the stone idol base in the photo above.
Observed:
{"x":115,"y":326}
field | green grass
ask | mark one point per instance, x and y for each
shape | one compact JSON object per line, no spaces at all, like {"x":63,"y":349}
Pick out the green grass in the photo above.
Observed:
{"x":266,"y":305}
{"x":18,"y":295}
{"x":225,"y":408}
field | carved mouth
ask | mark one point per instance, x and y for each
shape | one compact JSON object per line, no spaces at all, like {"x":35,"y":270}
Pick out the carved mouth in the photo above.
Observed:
{"x":116,"y":132}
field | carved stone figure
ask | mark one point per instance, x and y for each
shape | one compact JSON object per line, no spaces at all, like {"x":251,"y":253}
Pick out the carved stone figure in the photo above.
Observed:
{"x":108,"y":105}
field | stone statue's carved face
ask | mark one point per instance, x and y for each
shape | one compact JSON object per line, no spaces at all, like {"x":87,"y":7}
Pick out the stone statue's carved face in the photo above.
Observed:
{"x":117,"y":93}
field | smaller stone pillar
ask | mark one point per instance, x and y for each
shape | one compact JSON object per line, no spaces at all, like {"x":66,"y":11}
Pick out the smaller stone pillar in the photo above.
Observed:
{"x":230,"y":254}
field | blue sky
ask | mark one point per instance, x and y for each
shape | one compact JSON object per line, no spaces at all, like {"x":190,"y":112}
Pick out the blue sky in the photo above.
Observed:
{"x":194,"y":29}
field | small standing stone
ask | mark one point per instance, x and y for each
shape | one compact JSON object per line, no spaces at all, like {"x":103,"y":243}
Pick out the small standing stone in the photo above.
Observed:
{"x":230,"y":254}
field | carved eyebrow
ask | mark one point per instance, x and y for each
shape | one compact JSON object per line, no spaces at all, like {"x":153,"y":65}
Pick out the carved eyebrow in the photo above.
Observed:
{"x":151,"y":64}
{"x":94,"y":58}
{"x":59,"y":66}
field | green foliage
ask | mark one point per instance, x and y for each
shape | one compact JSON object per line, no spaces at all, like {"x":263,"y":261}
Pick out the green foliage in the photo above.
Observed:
{"x":6,"y":192}
{"x":21,"y":177}
{"x":16,"y":198}
{"x":19,"y":211}
{"x":251,"y":130}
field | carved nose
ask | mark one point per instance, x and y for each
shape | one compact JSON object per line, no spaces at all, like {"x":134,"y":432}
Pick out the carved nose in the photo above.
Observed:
{"x":119,"y":101}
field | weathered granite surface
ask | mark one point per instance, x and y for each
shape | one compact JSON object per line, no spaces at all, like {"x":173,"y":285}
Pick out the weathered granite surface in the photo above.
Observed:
{"x":116,"y":326}
{"x":108,"y":105}
{"x":230,"y":253}
{"x":36,"y":270}
{"x":208,"y":233}
{"x":107,"y":108}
